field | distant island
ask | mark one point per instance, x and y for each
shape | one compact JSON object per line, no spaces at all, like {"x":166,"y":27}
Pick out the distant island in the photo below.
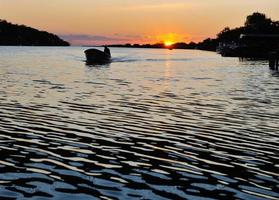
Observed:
{"x":208,"y":44}
{"x":255,"y":24}
{"x":15,"y":35}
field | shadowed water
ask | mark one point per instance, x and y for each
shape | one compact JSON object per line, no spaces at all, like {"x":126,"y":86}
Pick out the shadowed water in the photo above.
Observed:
{"x":153,"y":124}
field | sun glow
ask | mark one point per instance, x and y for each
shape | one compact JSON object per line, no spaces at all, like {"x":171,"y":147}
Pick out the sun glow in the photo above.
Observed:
{"x":171,"y":38}
{"x":168,"y":43}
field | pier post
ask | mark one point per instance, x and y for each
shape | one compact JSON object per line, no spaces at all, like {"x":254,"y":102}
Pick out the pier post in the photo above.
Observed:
{"x":273,"y":60}
{"x":277,"y":61}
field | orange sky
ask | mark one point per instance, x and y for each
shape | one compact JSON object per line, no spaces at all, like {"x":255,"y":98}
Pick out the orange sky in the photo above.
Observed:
{"x":134,"y":21}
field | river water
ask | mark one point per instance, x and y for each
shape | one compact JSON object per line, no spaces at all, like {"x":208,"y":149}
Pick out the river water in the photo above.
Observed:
{"x":153,"y":124}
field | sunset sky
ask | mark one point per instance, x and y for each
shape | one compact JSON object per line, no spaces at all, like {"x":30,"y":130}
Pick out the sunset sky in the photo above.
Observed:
{"x":133,"y":21}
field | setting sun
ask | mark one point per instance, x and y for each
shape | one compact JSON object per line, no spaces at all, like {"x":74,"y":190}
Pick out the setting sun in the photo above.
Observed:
{"x":168,"y":43}
{"x":170,"y":38}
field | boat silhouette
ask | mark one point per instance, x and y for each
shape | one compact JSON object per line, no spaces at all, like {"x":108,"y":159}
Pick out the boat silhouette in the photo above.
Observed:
{"x":96,"y":56}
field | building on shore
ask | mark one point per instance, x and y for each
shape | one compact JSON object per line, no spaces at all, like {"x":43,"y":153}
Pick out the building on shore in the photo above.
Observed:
{"x":250,"y":46}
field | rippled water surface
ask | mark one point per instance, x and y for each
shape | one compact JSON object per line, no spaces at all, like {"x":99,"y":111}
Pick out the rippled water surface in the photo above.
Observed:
{"x":153,"y":124}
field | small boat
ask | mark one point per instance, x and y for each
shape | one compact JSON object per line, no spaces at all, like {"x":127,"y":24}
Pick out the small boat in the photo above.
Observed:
{"x":95,"y":56}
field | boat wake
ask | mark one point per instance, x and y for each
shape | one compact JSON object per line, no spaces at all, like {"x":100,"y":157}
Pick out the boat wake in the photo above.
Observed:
{"x":128,"y":60}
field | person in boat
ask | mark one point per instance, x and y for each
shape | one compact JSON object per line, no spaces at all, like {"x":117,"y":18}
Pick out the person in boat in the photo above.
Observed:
{"x":107,"y":51}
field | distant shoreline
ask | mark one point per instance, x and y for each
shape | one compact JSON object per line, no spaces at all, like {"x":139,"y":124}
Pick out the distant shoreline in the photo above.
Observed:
{"x":179,"y":45}
{"x":150,"y":46}
{"x":97,"y":46}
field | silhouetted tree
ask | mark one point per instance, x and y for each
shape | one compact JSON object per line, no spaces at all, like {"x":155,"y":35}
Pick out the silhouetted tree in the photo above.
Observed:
{"x":229,"y":35}
{"x":208,"y":44}
{"x":257,"y":23}
{"x":257,"y":19}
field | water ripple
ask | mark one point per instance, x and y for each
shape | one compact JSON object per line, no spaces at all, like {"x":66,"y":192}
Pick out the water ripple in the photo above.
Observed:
{"x":158,"y":125}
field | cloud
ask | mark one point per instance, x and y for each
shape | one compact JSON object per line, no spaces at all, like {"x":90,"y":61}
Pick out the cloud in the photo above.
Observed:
{"x":86,"y":39}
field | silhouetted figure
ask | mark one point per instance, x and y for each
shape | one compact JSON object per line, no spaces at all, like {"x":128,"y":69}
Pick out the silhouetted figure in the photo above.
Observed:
{"x":107,"y":51}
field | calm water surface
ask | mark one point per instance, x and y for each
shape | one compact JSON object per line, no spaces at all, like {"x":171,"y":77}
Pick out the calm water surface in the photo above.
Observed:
{"x":154,"y":124}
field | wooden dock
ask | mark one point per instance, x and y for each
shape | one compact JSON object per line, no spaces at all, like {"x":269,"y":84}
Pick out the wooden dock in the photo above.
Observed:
{"x":274,"y":60}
